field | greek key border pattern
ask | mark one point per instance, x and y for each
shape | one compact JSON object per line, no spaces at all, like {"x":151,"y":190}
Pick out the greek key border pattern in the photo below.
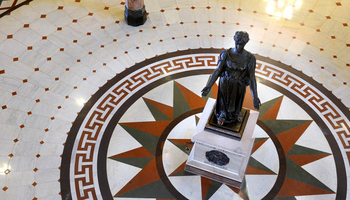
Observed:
{"x":83,"y":163}
{"x":84,"y":183}
{"x":339,"y":123}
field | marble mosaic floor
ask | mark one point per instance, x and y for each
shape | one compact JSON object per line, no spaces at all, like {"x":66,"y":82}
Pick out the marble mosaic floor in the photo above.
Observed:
{"x":92,"y":108}
{"x":134,"y":138}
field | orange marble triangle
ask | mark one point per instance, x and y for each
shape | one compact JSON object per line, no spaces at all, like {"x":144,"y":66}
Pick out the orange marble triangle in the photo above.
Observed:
{"x":273,"y":111}
{"x":147,"y":175}
{"x":215,"y":89}
{"x":197,"y":118}
{"x":183,"y":141}
{"x":179,"y":169}
{"x":288,"y":138}
{"x":253,"y":170}
{"x":141,"y":152}
{"x":153,"y":127}
{"x":238,"y":191}
{"x":306,"y":159}
{"x":205,"y":182}
{"x":167,"y":110}
{"x":293,"y":188}
{"x":248,"y":100}
{"x":193,"y":100}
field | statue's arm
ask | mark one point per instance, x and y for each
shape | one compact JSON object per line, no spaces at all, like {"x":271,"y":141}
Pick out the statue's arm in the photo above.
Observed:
{"x":253,"y":88}
{"x":215,"y":74}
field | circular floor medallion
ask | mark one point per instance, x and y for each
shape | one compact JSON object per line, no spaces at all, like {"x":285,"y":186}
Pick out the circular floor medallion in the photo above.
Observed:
{"x":133,"y":137}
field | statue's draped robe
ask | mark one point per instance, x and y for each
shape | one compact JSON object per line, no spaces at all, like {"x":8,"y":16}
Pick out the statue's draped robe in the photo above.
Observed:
{"x":234,"y":78}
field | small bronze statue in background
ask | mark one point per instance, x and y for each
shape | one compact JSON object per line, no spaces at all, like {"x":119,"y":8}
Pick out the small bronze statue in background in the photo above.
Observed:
{"x":236,"y":69}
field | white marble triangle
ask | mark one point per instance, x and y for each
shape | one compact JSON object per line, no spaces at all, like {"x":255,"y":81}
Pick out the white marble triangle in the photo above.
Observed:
{"x":194,"y":83}
{"x":119,"y":174}
{"x":162,"y":94}
{"x":188,"y":186}
{"x":314,"y":138}
{"x":184,"y":129}
{"x":266,"y":93}
{"x":259,"y":185}
{"x":317,"y":197}
{"x":325,"y":171}
{"x":173,"y":157}
{"x":224,"y":192}
{"x":121,"y":141}
{"x":267,"y":155}
{"x":291,"y":110}
{"x":138,"y":112}
{"x":259,"y":132}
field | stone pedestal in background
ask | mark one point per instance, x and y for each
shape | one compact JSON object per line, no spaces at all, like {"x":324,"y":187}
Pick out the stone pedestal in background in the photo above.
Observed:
{"x":135,"y":12}
{"x":236,"y":151}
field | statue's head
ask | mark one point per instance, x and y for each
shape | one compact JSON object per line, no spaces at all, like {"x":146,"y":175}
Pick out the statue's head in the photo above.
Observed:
{"x":241,"y":37}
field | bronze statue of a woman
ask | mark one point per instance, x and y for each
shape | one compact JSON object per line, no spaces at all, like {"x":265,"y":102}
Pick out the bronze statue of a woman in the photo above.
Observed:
{"x":236,"y":69}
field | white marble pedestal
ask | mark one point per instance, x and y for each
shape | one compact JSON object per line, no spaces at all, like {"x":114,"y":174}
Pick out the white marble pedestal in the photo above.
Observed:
{"x":238,"y":151}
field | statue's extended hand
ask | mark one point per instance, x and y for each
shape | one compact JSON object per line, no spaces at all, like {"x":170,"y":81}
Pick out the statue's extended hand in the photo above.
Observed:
{"x":256,"y":103}
{"x":205,"y":91}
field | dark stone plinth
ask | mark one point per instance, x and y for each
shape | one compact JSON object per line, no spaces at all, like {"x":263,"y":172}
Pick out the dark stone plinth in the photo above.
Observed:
{"x":135,"y":17}
{"x":233,"y":130}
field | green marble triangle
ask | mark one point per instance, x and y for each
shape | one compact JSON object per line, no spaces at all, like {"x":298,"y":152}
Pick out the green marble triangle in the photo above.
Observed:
{"x":280,"y":126}
{"x":136,"y":162}
{"x":147,"y":140}
{"x":180,"y":104}
{"x":254,"y":163}
{"x":182,"y":147}
{"x":157,"y":114}
{"x":300,"y":150}
{"x":267,"y":105}
{"x":244,"y":188}
{"x":153,"y":190}
{"x":259,"y":139}
{"x":210,"y":95}
{"x":214,"y":186}
{"x":295,"y":172}
{"x":184,"y":173}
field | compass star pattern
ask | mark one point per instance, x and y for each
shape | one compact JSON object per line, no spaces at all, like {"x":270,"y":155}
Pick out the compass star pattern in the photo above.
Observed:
{"x":132,"y":138}
{"x":148,"y":134}
{"x":296,"y":181}
{"x":164,"y":142}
